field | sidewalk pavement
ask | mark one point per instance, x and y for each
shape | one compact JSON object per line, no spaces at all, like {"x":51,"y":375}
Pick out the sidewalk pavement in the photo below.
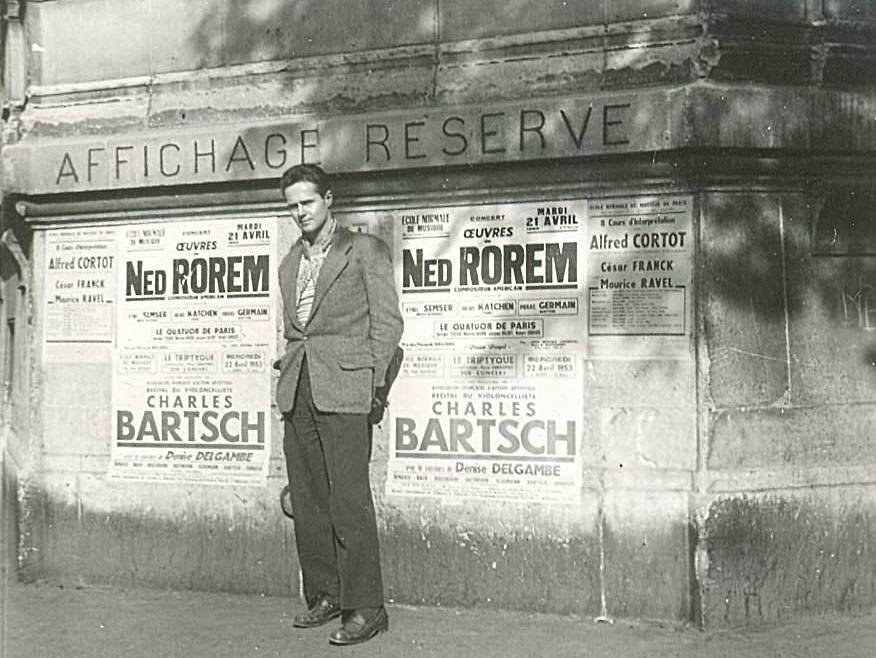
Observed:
{"x":47,"y":621}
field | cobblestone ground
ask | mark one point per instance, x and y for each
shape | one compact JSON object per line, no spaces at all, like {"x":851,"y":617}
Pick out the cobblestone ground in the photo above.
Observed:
{"x":43,"y":621}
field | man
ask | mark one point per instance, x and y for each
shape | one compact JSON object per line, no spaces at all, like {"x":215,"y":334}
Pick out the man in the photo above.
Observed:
{"x":342,"y":325}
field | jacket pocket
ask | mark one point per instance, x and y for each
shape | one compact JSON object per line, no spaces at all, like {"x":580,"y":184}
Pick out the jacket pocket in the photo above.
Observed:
{"x":356,"y":361}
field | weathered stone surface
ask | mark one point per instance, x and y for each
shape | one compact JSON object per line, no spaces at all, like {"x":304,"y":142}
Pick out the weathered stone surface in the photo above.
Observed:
{"x":777,"y":555}
{"x":462,"y":19}
{"x":739,"y":40}
{"x":440,"y":559}
{"x":465,"y":77}
{"x":648,"y":65}
{"x":647,"y":574}
{"x":638,"y":416}
{"x":632,"y":10}
{"x":192,"y":548}
{"x":849,"y":10}
{"x":437,"y":559}
{"x":648,"y":438}
{"x":796,"y":437}
{"x":849,"y":67}
{"x":642,"y":383}
{"x":786,"y":10}
{"x":165,"y":36}
{"x":743,"y":300}
{"x":832,"y":296}
{"x":760,"y":117}
{"x":66,"y":34}
{"x":9,"y":515}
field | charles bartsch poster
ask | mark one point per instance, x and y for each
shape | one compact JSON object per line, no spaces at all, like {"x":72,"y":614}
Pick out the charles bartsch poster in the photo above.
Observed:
{"x":488,"y":402}
{"x":195,"y":337}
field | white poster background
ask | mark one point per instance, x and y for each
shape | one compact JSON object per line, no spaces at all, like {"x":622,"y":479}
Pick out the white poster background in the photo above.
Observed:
{"x":489,"y":400}
{"x":639,"y":265}
{"x":80,"y":293}
{"x":196,"y":337}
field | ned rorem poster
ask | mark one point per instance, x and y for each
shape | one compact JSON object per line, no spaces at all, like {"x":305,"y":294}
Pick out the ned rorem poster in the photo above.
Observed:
{"x":196,"y":333}
{"x":488,"y":403}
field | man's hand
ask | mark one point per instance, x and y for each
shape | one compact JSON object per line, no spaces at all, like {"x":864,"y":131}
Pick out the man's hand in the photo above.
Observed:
{"x":377,"y":410}
{"x":380,"y":397}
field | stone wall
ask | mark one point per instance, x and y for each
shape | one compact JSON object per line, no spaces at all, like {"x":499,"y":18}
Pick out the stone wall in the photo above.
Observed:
{"x":730,"y":484}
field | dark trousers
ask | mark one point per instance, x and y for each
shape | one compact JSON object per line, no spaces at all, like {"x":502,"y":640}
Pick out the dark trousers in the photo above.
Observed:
{"x":327,"y":458}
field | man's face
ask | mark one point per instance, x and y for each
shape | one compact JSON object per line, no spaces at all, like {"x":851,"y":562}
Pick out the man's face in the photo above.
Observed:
{"x":309,"y":210}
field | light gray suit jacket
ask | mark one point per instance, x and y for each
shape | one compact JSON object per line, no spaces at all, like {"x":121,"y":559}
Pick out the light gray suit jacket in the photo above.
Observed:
{"x":354,"y":327}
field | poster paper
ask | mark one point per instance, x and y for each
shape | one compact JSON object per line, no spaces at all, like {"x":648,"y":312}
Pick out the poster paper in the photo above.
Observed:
{"x":80,"y":294}
{"x":196,"y":336}
{"x":639,"y":255}
{"x":488,"y":403}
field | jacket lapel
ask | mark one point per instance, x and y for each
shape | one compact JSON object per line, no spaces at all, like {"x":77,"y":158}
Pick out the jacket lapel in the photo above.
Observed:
{"x":335,"y":262}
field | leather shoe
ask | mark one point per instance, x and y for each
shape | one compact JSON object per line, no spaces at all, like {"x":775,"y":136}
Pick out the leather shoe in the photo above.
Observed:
{"x":359,"y":628}
{"x":323,"y":611}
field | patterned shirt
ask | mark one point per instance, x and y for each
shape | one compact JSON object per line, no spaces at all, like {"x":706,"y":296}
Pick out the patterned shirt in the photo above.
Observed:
{"x":308,"y":270}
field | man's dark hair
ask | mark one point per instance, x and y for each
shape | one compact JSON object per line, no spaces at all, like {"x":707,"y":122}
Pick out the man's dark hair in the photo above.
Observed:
{"x":310,"y":173}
